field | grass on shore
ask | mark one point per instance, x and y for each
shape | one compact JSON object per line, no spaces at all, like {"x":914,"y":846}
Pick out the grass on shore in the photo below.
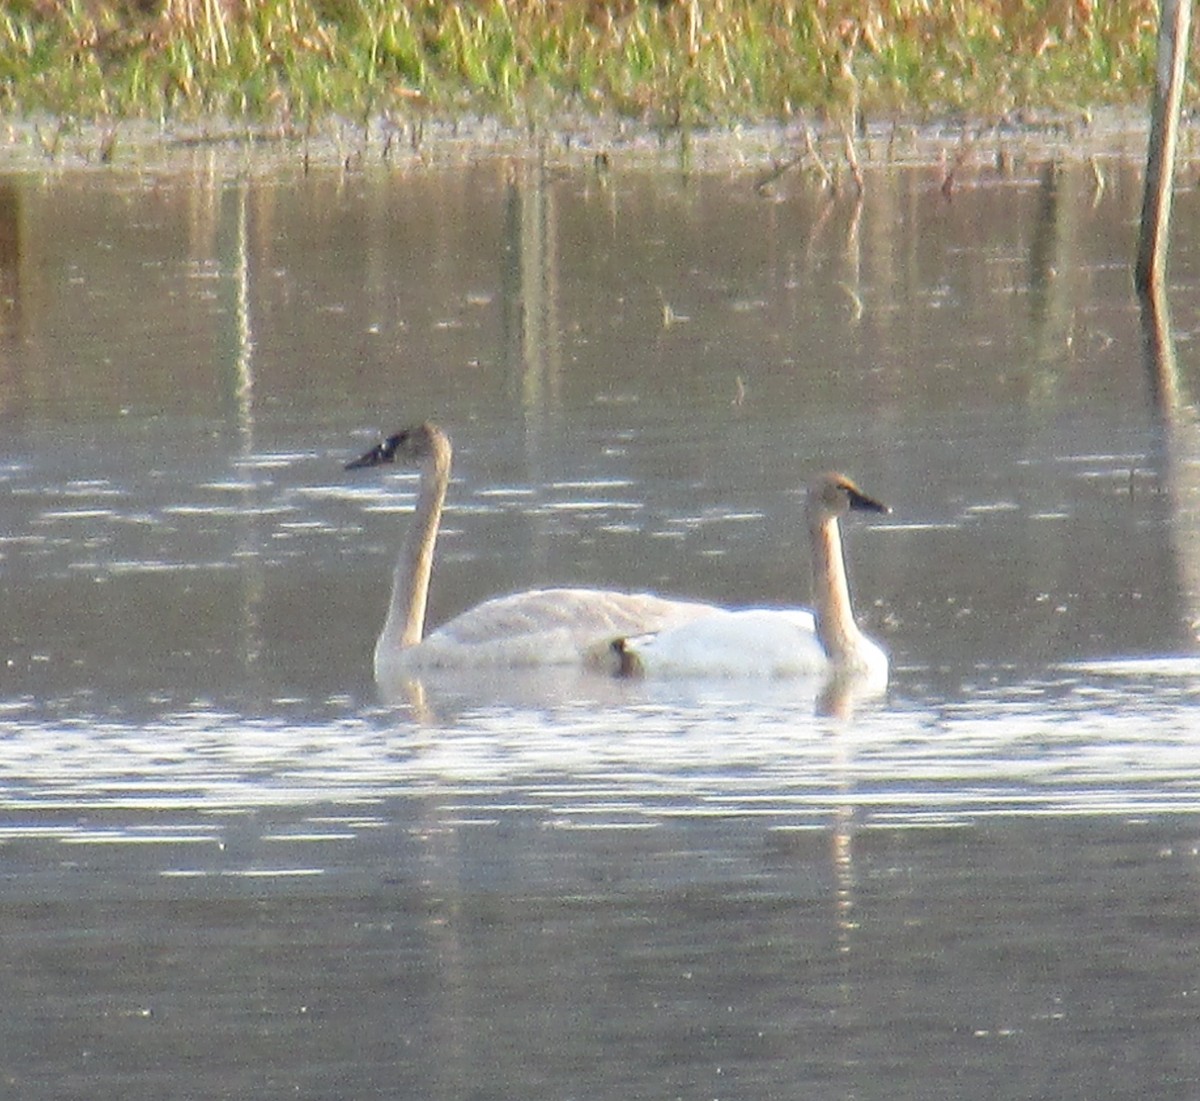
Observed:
{"x":666,"y":62}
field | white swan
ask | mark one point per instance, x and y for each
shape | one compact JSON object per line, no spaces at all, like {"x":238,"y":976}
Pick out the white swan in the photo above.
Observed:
{"x":630,"y":634}
{"x":539,"y":627}
{"x":777,"y":642}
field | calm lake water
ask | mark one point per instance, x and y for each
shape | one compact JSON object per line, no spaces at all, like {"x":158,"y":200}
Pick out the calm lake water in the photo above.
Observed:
{"x":230,"y":867}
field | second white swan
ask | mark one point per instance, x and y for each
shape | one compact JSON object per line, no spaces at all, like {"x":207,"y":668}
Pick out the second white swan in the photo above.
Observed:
{"x":777,"y":642}
{"x":632,"y":634}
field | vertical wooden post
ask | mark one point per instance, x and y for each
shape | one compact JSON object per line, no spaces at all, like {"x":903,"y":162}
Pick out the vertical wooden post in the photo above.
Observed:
{"x":1175,"y":18}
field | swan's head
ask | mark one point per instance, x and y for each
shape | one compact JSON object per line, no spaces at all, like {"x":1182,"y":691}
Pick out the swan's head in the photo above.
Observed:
{"x":832,"y":495}
{"x":411,"y":446}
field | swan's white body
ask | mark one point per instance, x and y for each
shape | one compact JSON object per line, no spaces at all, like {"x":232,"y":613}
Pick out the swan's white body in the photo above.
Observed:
{"x":540,"y":627}
{"x":746,"y":642}
{"x":633,"y":634}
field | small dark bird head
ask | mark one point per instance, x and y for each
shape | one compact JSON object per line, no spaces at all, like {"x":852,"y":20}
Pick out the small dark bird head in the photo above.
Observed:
{"x":409,"y":445}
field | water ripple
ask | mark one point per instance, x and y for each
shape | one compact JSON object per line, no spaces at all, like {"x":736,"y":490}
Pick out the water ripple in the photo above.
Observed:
{"x":1063,"y":746}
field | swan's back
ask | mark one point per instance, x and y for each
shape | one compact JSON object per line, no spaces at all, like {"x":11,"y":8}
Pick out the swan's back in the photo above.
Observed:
{"x":540,"y":627}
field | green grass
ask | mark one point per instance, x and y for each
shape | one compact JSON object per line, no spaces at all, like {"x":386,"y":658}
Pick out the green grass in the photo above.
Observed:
{"x":692,"y":62}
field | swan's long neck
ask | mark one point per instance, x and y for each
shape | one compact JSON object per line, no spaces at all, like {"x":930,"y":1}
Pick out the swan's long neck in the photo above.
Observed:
{"x":405,"y":625}
{"x":836,"y":629}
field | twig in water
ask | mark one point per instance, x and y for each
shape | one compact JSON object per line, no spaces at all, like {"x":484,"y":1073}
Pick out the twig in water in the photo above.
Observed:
{"x":108,"y":144}
{"x":810,"y":149}
{"x":859,"y":309}
{"x":763,"y":184}
{"x":960,"y":158}
{"x":669,"y":316}
{"x":852,"y":161}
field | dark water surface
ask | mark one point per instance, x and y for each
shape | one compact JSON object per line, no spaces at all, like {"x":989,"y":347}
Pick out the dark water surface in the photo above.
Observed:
{"x":228,"y":867}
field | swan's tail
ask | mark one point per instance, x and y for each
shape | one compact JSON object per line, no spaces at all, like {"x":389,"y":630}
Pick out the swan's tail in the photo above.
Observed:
{"x":614,"y":658}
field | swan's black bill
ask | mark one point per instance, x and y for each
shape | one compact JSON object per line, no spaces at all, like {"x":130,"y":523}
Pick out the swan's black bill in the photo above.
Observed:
{"x":384,"y":452}
{"x":860,"y":501}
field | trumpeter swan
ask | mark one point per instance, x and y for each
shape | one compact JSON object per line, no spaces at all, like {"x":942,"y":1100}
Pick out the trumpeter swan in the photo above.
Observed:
{"x":632,"y":634}
{"x":778,"y":642}
{"x":539,"y":627}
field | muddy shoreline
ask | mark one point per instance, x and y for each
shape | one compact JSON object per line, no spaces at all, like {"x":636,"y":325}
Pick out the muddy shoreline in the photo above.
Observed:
{"x":55,"y":145}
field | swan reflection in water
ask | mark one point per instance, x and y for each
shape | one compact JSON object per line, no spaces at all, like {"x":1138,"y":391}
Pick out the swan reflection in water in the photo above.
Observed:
{"x":620,"y":634}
